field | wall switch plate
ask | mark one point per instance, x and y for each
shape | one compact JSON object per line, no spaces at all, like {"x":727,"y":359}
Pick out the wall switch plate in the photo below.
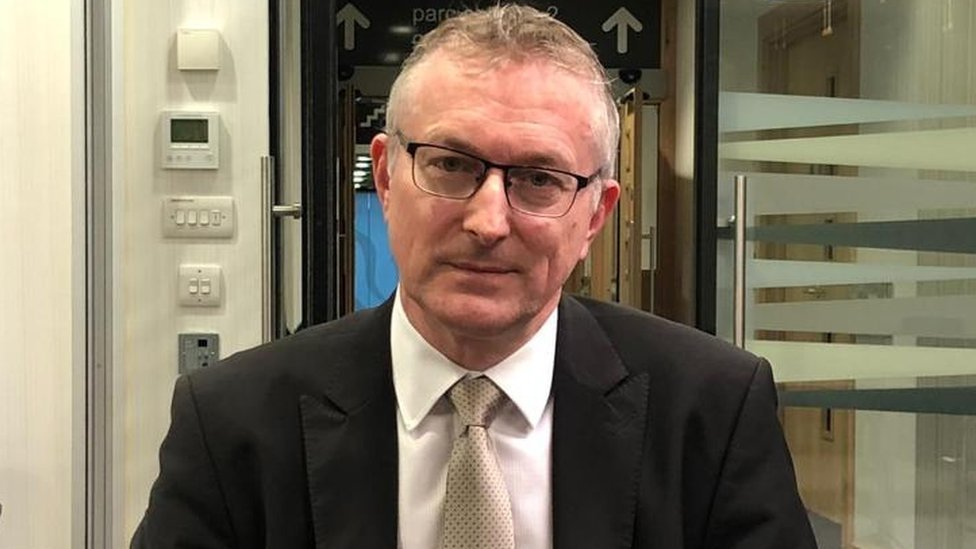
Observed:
{"x":198,"y":216}
{"x":198,"y":351}
{"x":200,"y":285}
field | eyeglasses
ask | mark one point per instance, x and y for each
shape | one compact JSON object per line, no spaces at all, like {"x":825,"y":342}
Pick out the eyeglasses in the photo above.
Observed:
{"x":449,"y":173}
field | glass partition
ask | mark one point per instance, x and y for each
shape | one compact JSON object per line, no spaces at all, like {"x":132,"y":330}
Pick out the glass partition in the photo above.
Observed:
{"x":854,"y":123}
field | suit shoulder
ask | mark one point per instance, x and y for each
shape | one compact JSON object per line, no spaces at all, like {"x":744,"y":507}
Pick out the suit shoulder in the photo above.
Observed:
{"x":298,"y":359}
{"x":648,"y":342}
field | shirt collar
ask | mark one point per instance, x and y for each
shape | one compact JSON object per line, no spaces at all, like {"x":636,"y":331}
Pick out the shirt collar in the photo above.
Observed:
{"x":421,"y":374}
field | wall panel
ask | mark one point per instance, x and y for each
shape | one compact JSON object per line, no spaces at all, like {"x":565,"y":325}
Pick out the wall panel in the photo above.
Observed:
{"x":41,"y":284}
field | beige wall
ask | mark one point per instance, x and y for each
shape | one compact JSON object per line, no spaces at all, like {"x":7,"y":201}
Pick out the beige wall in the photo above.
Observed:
{"x":150,"y":317}
{"x":41,"y":275}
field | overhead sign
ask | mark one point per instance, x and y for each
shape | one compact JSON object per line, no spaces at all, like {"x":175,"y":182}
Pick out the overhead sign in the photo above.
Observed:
{"x":624,"y":33}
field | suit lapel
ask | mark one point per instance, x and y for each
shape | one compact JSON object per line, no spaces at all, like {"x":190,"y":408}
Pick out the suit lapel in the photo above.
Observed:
{"x":598,"y":429}
{"x":350,"y":442}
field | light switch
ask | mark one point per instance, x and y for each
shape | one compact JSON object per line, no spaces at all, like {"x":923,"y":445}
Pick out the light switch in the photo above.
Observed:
{"x":200,"y":285}
{"x":198,"y":217}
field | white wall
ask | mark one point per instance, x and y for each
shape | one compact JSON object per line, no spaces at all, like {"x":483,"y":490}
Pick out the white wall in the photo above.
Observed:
{"x":150,"y":317}
{"x":41,"y":275}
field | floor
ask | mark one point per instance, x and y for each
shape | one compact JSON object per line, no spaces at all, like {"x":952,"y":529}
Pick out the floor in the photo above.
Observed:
{"x":826,"y":531}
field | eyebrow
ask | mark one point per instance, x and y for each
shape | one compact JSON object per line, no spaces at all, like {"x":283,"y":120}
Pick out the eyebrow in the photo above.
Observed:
{"x":527,"y":159}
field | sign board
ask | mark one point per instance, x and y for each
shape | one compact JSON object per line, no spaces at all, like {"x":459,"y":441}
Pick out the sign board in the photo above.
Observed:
{"x":624,"y":33}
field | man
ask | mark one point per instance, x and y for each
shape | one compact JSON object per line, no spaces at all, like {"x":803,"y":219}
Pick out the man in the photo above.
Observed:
{"x":480,"y":407}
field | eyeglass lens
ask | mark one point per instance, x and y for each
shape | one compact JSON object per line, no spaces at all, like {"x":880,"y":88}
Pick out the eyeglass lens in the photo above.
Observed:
{"x":457,"y":175}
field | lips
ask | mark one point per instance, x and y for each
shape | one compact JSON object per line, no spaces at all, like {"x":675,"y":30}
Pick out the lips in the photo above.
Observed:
{"x":482,"y":268}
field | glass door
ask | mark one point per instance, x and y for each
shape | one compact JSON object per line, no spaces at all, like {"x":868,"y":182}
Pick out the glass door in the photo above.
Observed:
{"x":853,"y":125}
{"x":302,"y":262}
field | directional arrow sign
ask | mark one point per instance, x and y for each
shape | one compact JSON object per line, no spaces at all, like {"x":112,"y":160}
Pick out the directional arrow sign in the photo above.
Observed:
{"x":349,"y":16}
{"x":622,"y":19}
{"x":630,"y":38}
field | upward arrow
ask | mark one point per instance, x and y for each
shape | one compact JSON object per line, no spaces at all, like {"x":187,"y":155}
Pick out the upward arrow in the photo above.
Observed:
{"x":622,"y":19}
{"x":349,"y":17}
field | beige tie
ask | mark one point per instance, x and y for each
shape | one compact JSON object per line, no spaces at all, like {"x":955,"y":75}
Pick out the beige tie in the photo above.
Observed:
{"x":477,"y":511}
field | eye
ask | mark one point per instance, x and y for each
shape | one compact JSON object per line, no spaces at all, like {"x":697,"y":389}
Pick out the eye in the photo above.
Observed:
{"x":538,"y":178}
{"x":535,"y":179}
{"x":454,"y":163}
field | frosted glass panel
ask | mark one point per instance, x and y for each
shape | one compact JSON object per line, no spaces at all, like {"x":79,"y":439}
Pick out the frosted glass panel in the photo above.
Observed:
{"x":944,"y":316}
{"x":805,"y":362}
{"x":950,"y":149}
{"x":894,"y":196}
{"x":854,"y":122}
{"x":772,"y":273}
{"x":768,"y":111}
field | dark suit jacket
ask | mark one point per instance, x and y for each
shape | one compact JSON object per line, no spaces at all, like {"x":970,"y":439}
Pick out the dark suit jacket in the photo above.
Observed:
{"x":662,"y":438}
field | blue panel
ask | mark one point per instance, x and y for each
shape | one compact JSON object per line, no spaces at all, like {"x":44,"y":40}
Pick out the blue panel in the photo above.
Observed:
{"x":376,"y":274}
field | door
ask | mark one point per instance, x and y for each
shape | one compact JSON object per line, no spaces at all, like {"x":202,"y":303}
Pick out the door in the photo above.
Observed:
{"x":852,"y":123}
{"x":328,"y":253}
{"x":620,"y":266}
{"x":302,"y":266}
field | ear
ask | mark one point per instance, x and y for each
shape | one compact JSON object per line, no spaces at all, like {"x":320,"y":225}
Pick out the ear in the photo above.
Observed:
{"x":379,"y":151}
{"x":607,"y":201}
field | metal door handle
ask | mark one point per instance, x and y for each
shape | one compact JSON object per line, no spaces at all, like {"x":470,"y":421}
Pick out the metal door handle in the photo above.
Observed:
{"x":270,"y":212}
{"x":739,"y":272}
{"x":294,"y":210}
{"x":267,"y":273}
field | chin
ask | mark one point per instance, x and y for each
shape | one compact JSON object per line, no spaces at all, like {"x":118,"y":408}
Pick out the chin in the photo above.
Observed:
{"x":480,"y":316}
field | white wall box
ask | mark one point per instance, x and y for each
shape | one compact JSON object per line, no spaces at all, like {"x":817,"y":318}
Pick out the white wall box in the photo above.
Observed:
{"x":190,"y":140}
{"x":198,"y":50}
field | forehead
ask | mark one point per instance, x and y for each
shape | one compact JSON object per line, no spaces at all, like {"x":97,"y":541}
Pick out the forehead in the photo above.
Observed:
{"x":505,"y":110}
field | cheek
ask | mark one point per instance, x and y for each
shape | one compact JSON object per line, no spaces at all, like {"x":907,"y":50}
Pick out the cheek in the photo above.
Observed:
{"x":417,"y":226}
{"x":573,"y":250}
{"x":555,"y":247}
{"x":399,"y":228}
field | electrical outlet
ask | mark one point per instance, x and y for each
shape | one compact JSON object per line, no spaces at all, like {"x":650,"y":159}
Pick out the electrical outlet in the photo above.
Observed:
{"x":198,"y":351}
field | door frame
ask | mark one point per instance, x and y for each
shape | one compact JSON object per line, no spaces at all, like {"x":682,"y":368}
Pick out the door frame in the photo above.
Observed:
{"x":706,"y":162}
{"x":97,"y":513}
{"x":320,"y":280}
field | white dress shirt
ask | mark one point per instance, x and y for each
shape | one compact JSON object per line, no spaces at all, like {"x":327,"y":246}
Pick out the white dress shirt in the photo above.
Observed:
{"x":426,"y":428}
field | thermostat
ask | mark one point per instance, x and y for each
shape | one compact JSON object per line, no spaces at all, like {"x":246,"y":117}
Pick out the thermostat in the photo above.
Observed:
{"x":190,"y":140}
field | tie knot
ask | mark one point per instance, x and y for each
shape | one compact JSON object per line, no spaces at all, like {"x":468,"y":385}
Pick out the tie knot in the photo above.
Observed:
{"x":476,"y":400}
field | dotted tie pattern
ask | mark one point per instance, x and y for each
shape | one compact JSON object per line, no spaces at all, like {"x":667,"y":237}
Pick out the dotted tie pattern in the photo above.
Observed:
{"x":477,"y":511}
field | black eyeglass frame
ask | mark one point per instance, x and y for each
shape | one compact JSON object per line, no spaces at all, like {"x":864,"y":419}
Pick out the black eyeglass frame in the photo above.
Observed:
{"x":411,"y":147}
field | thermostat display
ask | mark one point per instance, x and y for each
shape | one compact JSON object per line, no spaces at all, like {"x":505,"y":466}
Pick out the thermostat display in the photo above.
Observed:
{"x":183,"y":130}
{"x":190,"y":140}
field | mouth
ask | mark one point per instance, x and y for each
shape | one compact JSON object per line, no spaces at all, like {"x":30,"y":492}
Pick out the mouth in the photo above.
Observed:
{"x":482,"y":268}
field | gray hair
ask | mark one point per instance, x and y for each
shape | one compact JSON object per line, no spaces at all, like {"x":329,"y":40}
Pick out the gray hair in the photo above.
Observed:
{"x":515,"y":33}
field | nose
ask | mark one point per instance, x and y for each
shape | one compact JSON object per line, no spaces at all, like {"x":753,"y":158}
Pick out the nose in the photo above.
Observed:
{"x":486,"y":213}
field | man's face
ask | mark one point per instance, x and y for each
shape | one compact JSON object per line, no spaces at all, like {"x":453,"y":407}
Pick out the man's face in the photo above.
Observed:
{"x":475,"y":267}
